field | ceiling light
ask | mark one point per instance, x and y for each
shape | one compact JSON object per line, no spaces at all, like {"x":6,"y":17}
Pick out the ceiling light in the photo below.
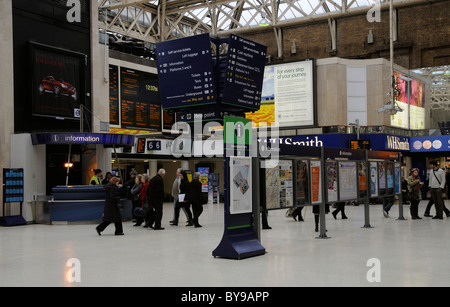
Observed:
{"x":264,"y":22}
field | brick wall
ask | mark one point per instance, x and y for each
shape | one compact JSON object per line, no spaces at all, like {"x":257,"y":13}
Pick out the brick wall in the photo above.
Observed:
{"x":423,"y":37}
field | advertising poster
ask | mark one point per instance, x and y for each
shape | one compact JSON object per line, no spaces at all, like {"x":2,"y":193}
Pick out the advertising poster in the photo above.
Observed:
{"x":240,"y":185}
{"x":286,"y":186}
{"x":279,"y":186}
{"x":373,"y":179}
{"x":332,"y":181}
{"x":316,"y":182}
{"x":57,"y":82}
{"x":412,"y":101}
{"x":362,"y":178}
{"x":382,"y":177}
{"x":287,"y":95}
{"x":204,"y":172}
{"x":390,"y":175}
{"x":272,"y":187}
{"x":397,"y":175}
{"x":347,"y":181}
{"x":302,"y":187}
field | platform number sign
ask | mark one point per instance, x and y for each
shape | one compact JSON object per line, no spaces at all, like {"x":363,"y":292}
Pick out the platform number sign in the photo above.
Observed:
{"x":154,"y":145}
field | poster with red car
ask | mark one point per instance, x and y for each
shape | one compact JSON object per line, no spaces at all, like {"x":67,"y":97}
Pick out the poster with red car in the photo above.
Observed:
{"x":56,"y":82}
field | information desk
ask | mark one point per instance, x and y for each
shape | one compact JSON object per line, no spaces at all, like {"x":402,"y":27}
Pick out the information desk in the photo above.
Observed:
{"x":83,"y":203}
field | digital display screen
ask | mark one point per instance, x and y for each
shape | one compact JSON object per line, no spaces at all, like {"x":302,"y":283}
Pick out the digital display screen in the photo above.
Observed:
{"x":168,"y":119}
{"x":114,"y":95}
{"x":140,"y":102}
{"x":141,"y":145}
{"x":360,"y":144}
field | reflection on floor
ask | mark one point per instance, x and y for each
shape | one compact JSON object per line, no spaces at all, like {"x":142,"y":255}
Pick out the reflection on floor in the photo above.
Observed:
{"x":411,"y":253}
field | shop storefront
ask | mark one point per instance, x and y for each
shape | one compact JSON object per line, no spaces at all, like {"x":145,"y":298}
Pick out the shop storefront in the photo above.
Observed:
{"x":426,"y":149}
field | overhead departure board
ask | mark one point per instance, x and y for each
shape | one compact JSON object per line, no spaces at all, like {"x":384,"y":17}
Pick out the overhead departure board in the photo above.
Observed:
{"x":360,"y":144}
{"x":114,"y":95}
{"x":168,"y":119}
{"x":140,"y":100}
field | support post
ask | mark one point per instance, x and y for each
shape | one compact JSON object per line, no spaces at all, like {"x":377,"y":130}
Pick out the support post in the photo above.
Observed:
{"x":118,"y":164}
{"x":367,"y":199}
{"x":400,"y":196}
{"x":322,"y":220}
{"x":256,"y":197}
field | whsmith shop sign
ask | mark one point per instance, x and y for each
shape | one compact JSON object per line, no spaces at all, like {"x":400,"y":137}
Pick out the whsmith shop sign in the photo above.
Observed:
{"x":377,"y":141}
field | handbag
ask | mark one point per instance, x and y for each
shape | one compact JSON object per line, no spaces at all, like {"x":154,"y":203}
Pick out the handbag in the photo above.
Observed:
{"x":142,"y":211}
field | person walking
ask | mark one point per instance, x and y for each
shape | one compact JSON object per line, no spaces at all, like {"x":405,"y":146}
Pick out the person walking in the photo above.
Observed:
{"x":111,"y":213}
{"x":414,"y":185}
{"x":297,"y":213}
{"x":431,"y":201}
{"x":156,"y":199}
{"x":175,"y":193}
{"x":142,"y":197}
{"x":183,"y":203}
{"x":135,"y":194}
{"x":196,"y":198}
{"x":388,"y":202}
{"x":340,"y":207}
{"x":437,"y":185}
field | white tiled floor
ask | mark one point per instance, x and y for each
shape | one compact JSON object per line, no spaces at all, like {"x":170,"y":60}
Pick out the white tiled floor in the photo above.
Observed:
{"x":412,"y":253}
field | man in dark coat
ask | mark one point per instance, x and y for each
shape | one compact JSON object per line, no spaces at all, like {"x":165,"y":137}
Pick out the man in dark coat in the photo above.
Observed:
{"x":111,"y":213}
{"x":156,"y":199}
{"x":196,"y":198}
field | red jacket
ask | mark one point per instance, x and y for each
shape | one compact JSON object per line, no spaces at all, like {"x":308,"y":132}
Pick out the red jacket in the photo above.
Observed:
{"x":143,"y":193}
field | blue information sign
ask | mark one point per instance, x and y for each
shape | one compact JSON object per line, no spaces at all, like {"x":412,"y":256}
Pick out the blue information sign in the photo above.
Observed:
{"x":245,"y":73}
{"x":185,"y":70}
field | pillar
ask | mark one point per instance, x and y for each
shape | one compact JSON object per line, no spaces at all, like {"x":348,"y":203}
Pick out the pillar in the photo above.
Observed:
{"x":184,"y":165}
{"x":6,"y":85}
{"x":153,"y":168}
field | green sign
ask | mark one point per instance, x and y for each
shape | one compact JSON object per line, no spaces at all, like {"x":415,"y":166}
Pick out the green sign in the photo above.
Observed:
{"x":237,"y":135}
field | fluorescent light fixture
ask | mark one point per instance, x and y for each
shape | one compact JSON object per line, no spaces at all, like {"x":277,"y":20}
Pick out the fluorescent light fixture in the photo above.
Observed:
{"x":264,"y":22}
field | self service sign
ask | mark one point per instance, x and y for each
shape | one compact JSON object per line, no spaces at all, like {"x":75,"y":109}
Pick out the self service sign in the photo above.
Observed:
{"x":430,"y":143}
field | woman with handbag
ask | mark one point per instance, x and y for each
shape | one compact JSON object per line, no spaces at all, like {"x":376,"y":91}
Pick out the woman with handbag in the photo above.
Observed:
{"x":414,"y":185}
{"x":111,"y":213}
{"x":135,"y":194}
{"x":142,"y":199}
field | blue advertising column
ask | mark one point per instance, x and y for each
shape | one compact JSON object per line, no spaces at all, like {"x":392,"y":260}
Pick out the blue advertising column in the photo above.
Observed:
{"x":239,"y":239}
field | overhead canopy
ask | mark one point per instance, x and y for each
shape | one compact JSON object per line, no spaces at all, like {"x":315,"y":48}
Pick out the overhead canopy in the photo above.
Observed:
{"x":155,"y":21}
{"x":66,"y":138}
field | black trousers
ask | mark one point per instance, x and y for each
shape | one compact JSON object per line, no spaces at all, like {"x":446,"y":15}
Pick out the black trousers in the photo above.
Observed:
{"x":186,"y":206}
{"x":197,"y":209}
{"x":155,"y":216}
{"x":431,"y":203}
{"x":104,"y":224}
{"x":340,"y":207}
{"x":414,"y":209}
{"x":298,"y":212}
